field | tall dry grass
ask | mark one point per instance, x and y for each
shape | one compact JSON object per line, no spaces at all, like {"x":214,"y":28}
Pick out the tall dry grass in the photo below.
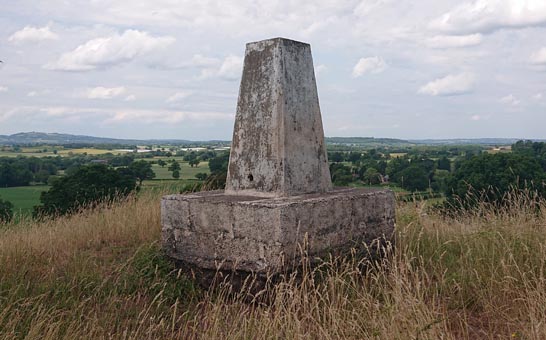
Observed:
{"x":100,"y":274}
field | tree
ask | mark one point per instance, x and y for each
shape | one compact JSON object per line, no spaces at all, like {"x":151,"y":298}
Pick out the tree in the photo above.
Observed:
{"x":444,"y":164}
{"x":440,"y":180}
{"x":41,"y":176}
{"x":201,"y":176}
{"x":142,"y":170}
{"x":336,"y":157}
{"x":161,"y":163}
{"x":190,"y":156}
{"x":371,"y":176}
{"x":354,"y":157}
{"x":491,"y":176}
{"x":395,"y":167}
{"x":87,"y":186}
{"x":175,"y":168}
{"x":174,"y":165}
{"x":413,"y":178}
{"x":14,"y":173}
{"x":341,"y":174}
{"x":6,"y":211}
{"x":219,"y":164}
{"x":194,"y":162}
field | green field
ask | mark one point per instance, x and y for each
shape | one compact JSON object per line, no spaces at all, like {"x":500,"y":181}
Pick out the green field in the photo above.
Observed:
{"x":23,"y":198}
{"x":167,"y":186}
{"x":186,"y":172}
{"x":61,"y":151}
{"x":89,"y":151}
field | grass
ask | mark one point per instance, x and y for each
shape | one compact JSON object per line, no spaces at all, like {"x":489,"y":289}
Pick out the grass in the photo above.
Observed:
{"x":61,"y":151}
{"x":89,"y":151}
{"x":186,"y":172}
{"x":100,"y":275}
{"x":172,"y":186}
{"x":23,"y":198}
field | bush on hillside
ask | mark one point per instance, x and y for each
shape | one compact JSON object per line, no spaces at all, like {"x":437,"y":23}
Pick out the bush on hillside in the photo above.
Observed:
{"x":87,"y":186}
{"x":6,"y":211}
{"x":489,"y":177}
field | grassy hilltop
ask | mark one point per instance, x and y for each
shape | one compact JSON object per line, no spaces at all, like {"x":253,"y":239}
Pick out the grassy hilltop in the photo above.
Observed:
{"x":100,"y":274}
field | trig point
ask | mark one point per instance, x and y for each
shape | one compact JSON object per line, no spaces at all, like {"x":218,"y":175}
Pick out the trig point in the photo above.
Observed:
{"x":278,"y":193}
{"x":278,"y":143}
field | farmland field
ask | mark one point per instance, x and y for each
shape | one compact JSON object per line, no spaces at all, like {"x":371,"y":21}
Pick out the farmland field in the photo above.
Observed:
{"x":48,"y":151}
{"x":90,"y":151}
{"x":23,"y":198}
{"x":398,"y":154}
{"x":187,"y":172}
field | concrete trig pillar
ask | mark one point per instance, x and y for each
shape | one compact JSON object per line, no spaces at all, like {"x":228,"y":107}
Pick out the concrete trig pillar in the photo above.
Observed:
{"x":278,"y":194}
{"x":278,"y":142}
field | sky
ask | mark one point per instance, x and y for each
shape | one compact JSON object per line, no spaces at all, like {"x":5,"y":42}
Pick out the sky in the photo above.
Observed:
{"x":172,"y":68}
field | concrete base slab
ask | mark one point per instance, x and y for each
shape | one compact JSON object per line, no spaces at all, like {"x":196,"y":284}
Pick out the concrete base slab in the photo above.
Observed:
{"x":214,"y":231}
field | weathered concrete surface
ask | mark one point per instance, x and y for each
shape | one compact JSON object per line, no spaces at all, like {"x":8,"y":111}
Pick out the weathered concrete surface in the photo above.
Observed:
{"x":278,"y":192}
{"x":212,"y":230}
{"x":278,"y":142}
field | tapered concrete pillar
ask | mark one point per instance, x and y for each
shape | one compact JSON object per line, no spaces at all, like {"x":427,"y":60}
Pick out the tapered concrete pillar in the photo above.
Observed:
{"x":279,"y":196}
{"x":278,"y":142}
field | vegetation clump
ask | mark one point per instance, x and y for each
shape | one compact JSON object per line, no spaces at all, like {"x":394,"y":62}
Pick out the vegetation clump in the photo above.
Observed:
{"x":6,"y":211}
{"x":101,"y":274}
{"x":87,"y":186}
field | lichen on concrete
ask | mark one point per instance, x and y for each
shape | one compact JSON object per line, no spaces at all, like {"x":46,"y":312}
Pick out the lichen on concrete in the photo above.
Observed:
{"x":278,"y":193}
{"x":278,"y":140}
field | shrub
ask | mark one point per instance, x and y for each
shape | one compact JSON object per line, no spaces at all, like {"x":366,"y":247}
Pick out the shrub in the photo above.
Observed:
{"x":6,"y":211}
{"x":87,"y":186}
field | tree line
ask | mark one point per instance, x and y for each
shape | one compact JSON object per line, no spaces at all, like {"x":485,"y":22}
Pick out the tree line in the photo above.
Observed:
{"x":488,"y":175}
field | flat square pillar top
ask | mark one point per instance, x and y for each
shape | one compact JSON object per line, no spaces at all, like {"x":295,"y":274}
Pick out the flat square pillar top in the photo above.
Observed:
{"x":278,"y":141}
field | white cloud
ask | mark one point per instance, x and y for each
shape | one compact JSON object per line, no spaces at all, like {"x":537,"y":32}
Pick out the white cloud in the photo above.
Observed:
{"x":200,"y":60}
{"x":178,"y":96}
{"x":539,"y":57}
{"x":92,"y":115}
{"x":475,"y":117}
{"x":105,"y":92}
{"x":164,"y":117}
{"x":510,"y":100}
{"x":3,"y":89}
{"x":538,"y":96}
{"x":111,"y":50}
{"x":33,"y":34}
{"x":32,"y":94}
{"x":369,"y":65}
{"x":454,"y":41}
{"x":130,"y":98}
{"x":365,"y":7}
{"x":490,"y":15}
{"x":449,"y":85}
{"x":320,"y":68}
{"x":229,"y":69}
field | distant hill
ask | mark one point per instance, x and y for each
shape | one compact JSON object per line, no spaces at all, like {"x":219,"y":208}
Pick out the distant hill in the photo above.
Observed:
{"x":26,"y":138}
{"x":368,"y":141}
{"x":475,"y":141}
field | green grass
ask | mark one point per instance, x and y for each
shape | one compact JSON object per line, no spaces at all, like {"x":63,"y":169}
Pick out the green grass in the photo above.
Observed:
{"x":186,"y":172}
{"x":89,"y":151}
{"x":101,"y":274}
{"x":173,"y":186}
{"x":38,"y":152}
{"x":23,"y":198}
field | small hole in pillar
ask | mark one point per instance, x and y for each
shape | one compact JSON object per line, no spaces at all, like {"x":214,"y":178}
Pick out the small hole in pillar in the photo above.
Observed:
{"x":250,"y":177}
